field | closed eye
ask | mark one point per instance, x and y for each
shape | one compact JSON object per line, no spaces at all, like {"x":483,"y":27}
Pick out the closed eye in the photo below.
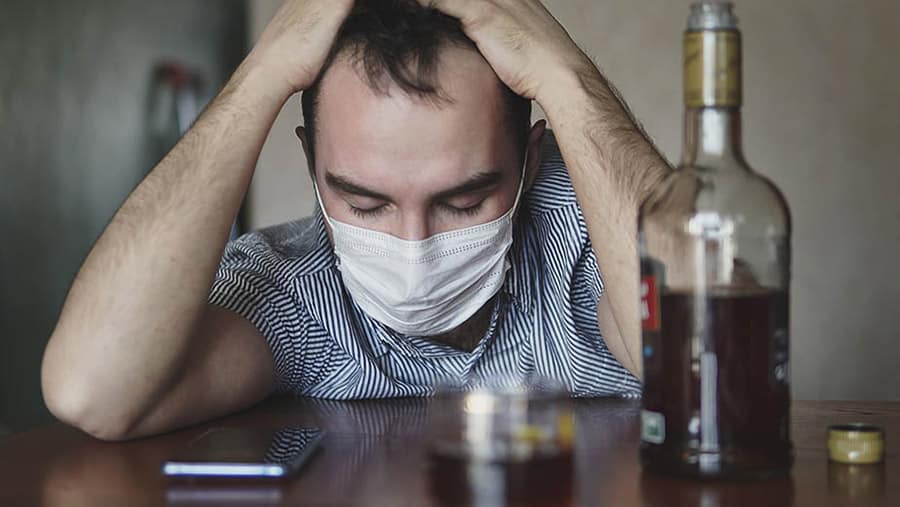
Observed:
{"x":367,"y":212}
{"x":466,"y":211}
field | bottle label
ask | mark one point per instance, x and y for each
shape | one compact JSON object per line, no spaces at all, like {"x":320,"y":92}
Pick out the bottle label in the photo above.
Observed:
{"x":712,"y":68}
{"x":779,"y":349}
{"x":649,"y":304}
{"x":653,"y":427}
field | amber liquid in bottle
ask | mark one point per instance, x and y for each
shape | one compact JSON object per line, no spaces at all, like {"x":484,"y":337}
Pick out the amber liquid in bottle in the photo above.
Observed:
{"x":715,"y":271}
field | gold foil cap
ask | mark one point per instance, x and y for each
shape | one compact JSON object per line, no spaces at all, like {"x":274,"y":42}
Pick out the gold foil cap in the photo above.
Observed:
{"x":712,"y":68}
{"x":855,"y":443}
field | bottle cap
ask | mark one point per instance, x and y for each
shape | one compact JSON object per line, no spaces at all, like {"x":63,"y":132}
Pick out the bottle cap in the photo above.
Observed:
{"x":712,"y":15}
{"x":855,"y":443}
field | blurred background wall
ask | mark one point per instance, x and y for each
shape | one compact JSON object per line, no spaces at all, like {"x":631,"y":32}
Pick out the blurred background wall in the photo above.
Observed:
{"x":821,"y":115}
{"x":74,"y":84}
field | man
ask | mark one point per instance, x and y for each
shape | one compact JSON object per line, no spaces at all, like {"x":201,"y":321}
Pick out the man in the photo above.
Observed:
{"x":444,"y":247}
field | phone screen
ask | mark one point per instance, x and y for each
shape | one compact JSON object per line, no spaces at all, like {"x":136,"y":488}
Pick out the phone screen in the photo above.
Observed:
{"x":241,"y":452}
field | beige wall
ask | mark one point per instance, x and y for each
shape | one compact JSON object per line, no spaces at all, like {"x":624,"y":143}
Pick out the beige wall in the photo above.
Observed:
{"x":281,"y":188}
{"x":822,"y":119}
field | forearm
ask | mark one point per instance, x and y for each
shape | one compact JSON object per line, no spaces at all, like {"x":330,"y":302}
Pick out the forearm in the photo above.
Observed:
{"x":613,"y":166}
{"x":126,"y":324}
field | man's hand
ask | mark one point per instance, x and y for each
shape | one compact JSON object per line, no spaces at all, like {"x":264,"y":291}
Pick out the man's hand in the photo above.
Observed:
{"x":293,"y":48}
{"x":524,"y":44}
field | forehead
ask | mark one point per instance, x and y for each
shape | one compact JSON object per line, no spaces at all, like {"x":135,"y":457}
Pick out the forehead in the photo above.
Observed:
{"x":353,"y":116}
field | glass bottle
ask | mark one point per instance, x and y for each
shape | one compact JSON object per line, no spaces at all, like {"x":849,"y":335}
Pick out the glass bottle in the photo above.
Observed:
{"x":715,"y":273}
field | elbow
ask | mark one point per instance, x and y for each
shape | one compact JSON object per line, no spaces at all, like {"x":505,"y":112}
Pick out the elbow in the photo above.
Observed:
{"x":74,"y":407}
{"x":70,"y":399}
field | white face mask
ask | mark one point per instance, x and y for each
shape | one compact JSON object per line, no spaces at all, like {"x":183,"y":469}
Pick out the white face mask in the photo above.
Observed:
{"x":426,"y":287}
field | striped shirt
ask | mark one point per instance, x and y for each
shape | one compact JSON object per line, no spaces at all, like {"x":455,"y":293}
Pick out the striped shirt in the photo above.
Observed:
{"x":285,"y":281}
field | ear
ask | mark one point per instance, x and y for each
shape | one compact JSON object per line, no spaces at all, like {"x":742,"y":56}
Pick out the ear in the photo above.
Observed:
{"x":533,"y":152}
{"x":301,"y":134}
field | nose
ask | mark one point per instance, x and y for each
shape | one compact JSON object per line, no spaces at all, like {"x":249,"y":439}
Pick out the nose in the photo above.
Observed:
{"x":414,"y":227}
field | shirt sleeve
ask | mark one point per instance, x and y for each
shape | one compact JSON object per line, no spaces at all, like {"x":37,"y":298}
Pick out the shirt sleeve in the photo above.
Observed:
{"x":586,"y":286}
{"x":248,"y":284}
{"x":588,"y":281}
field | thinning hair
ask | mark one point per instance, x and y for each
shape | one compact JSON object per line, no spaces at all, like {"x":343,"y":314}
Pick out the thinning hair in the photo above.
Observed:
{"x":397,"y":43}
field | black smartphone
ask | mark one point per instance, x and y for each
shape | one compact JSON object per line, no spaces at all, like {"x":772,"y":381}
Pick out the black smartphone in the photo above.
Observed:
{"x":245,"y":453}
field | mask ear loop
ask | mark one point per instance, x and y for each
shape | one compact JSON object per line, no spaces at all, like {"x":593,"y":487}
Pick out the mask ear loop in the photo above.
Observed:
{"x":515,"y":206}
{"x":319,"y":200}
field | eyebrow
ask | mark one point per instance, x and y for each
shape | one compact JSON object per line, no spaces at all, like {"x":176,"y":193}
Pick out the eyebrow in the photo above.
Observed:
{"x":342,"y":184}
{"x":480,"y":181}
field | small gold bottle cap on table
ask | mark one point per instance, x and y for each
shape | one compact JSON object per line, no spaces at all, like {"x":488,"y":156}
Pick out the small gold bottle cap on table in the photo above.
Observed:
{"x":856,"y":443}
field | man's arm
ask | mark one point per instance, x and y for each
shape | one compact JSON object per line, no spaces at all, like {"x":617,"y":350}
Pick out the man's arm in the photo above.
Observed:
{"x":612,"y":164}
{"x":613,"y":167}
{"x":137,"y":349}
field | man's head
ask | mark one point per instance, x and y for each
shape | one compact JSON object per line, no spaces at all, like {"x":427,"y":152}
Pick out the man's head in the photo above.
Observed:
{"x":408,"y":129}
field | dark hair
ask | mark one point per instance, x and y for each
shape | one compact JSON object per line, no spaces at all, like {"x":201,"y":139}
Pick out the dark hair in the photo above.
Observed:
{"x":398,"y":42}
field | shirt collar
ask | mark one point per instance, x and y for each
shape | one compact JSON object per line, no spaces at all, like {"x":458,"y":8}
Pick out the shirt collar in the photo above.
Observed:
{"x":322,"y":240}
{"x":520,"y":278}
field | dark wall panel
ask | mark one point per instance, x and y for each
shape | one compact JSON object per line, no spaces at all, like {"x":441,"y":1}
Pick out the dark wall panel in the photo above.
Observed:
{"x":74,"y":82}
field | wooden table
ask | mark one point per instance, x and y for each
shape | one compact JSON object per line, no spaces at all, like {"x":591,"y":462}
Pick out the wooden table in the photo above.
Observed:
{"x":374,"y":454}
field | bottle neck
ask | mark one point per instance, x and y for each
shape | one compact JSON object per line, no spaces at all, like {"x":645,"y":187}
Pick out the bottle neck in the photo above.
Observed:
{"x":713,"y":97}
{"x":713,"y":136}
